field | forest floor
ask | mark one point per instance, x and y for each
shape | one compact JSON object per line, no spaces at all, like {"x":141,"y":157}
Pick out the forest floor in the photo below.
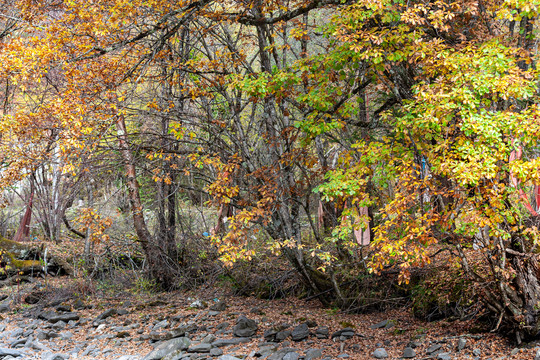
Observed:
{"x":106,"y":323}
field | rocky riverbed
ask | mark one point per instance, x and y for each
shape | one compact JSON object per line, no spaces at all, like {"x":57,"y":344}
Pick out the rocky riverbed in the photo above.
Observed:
{"x":182,"y":326}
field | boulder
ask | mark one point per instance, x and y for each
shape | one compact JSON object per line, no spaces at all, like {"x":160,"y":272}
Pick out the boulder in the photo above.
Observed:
{"x":300,"y":332}
{"x":245,"y":327}
{"x":168,"y":347}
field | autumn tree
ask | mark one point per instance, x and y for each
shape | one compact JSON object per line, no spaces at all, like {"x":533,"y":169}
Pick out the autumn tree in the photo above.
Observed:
{"x":173,"y":83}
{"x":454,"y":97}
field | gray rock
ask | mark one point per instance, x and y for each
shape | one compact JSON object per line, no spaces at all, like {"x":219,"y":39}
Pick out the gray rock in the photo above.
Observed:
{"x":79,"y":305}
{"x":168,"y":347}
{"x":380,"y":353}
{"x":476,"y":352}
{"x":175,"y":355}
{"x":433,"y":348}
{"x":50,"y":356}
{"x":461,"y":344}
{"x":161,"y":325}
{"x":291,"y":356}
{"x":300,"y":332}
{"x":128,"y":357}
{"x":75,"y":351}
{"x":265,"y":350}
{"x":63,"y":317}
{"x":387,"y":324}
{"x":444,"y":356}
{"x":63,"y":308}
{"x":409,"y":353}
{"x":312,"y":354}
{"x":227,"y":357}
{"x":89,"y":349}
{"x":537,"y":356}
{"x":5,"y":306}
{"x":200,"y":348}
{"x":216,"y":352}
{"x":37,"y":346}
{"x":122,"y":312}
{"x":208,"y":339}
{"x":182,"y":330}
{"x":228,"y":342}
{"x":270,"y":335}
{"x":245,"y":327}
{"x":42,"y":335}
{"x":280,"y":354}
{"x":18,"y":343}
{"x":10,"y":352}
{"x":65,"y":335}
{"x":106,"y":314}
{"x":155,"y":336}
{"x":223,"y":326}
{"x":60,"y":325}
{"x":322,"y":332}
{"x":51,"y":335}
{"x":16,"y":333}
{"x":219,"y":306}
{"x":282,"y":335}
{"x":344,"y":334}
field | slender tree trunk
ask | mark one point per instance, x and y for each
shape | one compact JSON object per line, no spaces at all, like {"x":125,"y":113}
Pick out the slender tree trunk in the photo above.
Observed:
{"x":161,"y":269}
{"x":56,"y":211}
{"x":87,"y":243}
{"x":24,"y":228}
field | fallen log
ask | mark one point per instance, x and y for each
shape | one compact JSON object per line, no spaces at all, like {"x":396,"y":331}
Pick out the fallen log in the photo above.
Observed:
{"x":24,"y":259}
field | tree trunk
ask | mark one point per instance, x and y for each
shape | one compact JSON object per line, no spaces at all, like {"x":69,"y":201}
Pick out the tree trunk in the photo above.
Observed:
{"x":24,"y":228}
{"x":516,"y":302}
{"x":162,"y":269}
